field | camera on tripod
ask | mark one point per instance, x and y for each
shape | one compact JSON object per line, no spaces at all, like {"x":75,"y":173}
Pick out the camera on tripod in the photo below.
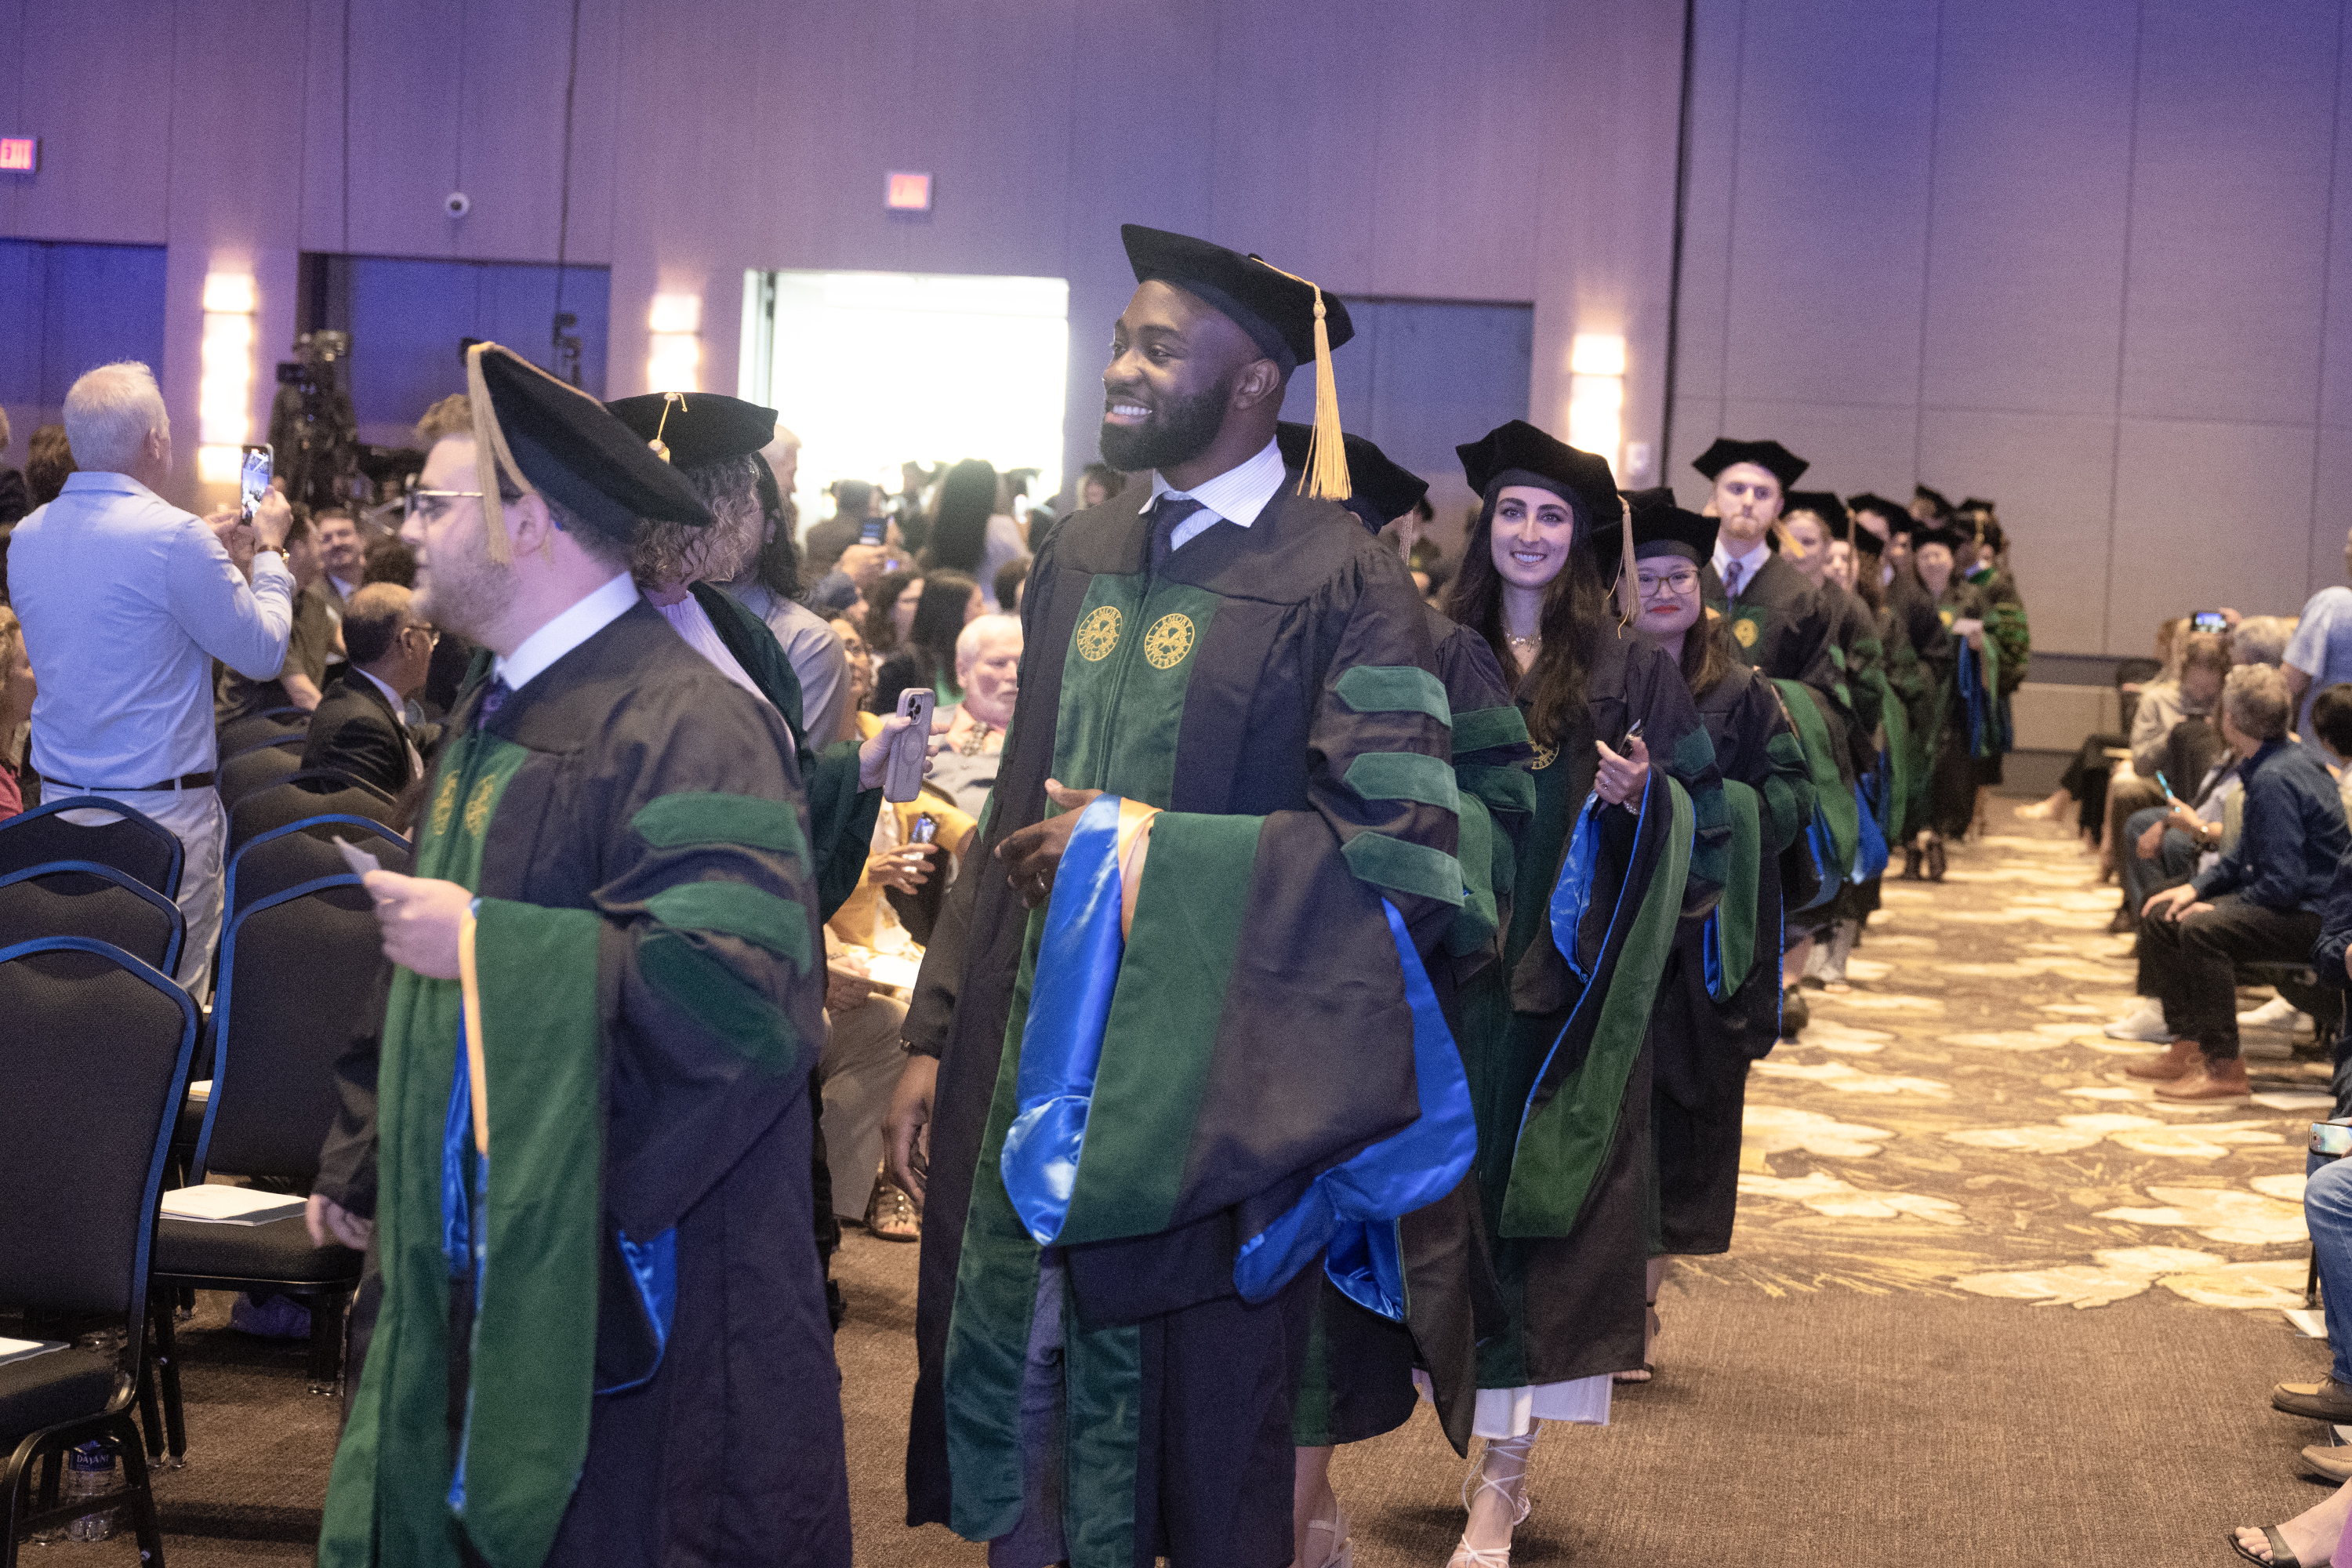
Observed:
{"x":311,"y":423}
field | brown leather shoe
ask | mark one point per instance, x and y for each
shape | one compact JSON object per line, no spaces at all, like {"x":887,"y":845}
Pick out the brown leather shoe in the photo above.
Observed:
{"x":2334,"y":1463}
{"x":2224,"y":1079}
{"x":2327,"y":1400}
{"x":2178,"y":1059}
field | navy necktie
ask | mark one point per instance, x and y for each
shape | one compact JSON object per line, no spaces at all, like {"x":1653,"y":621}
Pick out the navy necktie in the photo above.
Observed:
{"x":492,"y":700}
{"x":1167,"y":512}
{"x":1731,"y":571}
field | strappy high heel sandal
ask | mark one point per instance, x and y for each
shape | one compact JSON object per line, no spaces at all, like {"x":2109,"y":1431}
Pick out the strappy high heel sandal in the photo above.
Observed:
{"x":1468,"y":1556}
{"x":1340,"y":1552}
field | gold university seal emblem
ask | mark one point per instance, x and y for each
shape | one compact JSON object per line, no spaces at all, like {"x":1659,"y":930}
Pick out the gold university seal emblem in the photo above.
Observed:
{"x":1099,"y":633}
{"x":1167,"y":641}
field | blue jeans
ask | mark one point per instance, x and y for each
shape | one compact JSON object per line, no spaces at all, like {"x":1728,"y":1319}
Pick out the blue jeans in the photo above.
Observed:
{"x":2327,"y":1211}
{"x":2175,"y":858}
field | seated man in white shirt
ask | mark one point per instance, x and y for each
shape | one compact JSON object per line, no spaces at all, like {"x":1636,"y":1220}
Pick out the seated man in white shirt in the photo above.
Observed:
{"x":126,"y":601}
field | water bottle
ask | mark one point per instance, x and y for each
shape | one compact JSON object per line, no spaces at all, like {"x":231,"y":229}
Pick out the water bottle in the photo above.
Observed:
{"x":89,"y":1475}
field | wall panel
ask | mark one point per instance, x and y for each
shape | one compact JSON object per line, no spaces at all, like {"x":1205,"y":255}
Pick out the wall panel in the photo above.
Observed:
{"x":2056,"y":477}
{"x":2175,"y":481}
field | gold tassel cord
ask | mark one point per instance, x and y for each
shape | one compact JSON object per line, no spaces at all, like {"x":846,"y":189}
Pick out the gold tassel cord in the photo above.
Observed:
{"x":661,"y":450}
{"x":492,"y":455}
{"x":1629,"y":594}
{"x":1325,"y":471}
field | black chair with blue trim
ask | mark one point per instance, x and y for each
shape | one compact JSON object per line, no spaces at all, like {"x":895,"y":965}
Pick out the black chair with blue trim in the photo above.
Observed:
{"x":311,"y":792}
{"x":260,"y":728}
{"x":294,"y":968}
{"x":132,"y":842}
{"x":81,"y":1159}
{"x":82,"y":897}
{"x":258,"y":767}
{"x":304,"y":851}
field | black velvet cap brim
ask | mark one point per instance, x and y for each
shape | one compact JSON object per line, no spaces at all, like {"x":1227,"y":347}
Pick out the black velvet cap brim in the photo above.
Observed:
{"x":581,"y":456}
{"x":1375,"y":479}
{"x":1581,"y":478}
{"x":703,"y":427}
{"x":1778,"y":460}
{"x":1275,"y":309}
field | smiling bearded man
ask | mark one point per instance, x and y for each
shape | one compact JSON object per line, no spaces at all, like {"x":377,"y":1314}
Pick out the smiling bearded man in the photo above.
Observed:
{"x":1133,"y":1133}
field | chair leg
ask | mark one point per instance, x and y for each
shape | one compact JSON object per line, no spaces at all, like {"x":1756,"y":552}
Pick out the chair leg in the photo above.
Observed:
{"x":144,"y":1524}
{"x":2311,"y":1281}
{"x":327,"y":1310}
{"x":167,"y":1374}
{"x":151,"y":1419}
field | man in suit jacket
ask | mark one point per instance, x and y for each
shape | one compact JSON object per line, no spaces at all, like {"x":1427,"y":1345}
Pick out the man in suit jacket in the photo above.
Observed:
{"x":358,"y":727}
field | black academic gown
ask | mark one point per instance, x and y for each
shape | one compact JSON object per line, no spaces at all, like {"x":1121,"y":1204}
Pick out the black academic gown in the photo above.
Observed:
{"x":1953,"y":774}
{"x":1250,"y":632}
{"x":628,"y":785}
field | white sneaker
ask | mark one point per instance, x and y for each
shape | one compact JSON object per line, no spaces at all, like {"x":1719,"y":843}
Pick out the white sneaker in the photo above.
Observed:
{"x":2144,"y":1023}
{"x":2277,"y":1013}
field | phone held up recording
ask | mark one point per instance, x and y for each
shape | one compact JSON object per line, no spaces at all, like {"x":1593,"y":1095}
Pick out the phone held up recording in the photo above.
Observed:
{"x":911,"y":747}
{"x":252,"y":480}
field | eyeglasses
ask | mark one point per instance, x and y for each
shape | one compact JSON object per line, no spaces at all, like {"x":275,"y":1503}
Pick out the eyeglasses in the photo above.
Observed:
{"x":1681,"y":582}
{"x":426,"y":506}
{"x":432,"y":635}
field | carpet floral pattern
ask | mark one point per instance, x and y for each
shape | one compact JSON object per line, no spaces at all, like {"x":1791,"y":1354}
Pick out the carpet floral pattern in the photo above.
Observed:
{"x":1960,"y":1124}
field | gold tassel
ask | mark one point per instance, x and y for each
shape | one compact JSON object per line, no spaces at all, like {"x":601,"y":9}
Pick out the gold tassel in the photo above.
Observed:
{"x":1325,"y":474}
{"x":1628,"y":593}
{"x":491,"y":456}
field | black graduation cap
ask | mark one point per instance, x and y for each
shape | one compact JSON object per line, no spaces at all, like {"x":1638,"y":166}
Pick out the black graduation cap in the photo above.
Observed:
{"x":1951,"y":538}
{"x":1516,"y":453}
{"x":1387,"y":490}
{"x":693,"y":429}
{"x":1784,"y":465}
{"x":1937,"y":498}
{"x":1865,"y":542}
{"x":1895,"y":514}
{"x":554,"y":439}
{"x":1973,"y":504}
{"x":1661,"y":527}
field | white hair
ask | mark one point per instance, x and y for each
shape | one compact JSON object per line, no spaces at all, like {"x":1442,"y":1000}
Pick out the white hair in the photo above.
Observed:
{"x":980,"y":630}
{"x":109,"y":414}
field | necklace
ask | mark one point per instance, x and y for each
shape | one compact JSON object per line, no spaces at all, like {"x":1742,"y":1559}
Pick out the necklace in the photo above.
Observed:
{"x":1529,"y":641}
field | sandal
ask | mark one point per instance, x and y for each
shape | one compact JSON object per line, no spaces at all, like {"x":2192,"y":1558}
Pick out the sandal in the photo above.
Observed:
{"x":1468,"y":1556}
{"x":2280,"y":1556}
{"x":891,"y":1215}
{"x":1648,"y":1369}
{"x":1343,"y":1554}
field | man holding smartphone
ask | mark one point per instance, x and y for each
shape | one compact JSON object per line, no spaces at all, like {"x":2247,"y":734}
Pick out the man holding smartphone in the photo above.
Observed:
{"x":126,"y":602}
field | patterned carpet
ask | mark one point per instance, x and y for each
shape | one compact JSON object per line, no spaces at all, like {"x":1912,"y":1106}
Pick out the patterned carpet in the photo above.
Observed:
{"x":1959,"y":1123}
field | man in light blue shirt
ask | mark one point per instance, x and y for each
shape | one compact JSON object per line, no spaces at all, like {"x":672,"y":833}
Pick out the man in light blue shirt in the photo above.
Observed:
{"x":126,"y":601}
{"x":2320,"y":653}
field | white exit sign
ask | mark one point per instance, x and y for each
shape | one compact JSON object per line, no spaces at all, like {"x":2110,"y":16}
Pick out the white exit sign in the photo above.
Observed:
{"x":20,"y":154}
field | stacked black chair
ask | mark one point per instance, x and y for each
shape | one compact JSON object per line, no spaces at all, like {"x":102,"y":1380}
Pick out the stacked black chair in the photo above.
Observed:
{"x":311,"y":793}
{"x":258,"y":767}
{"x":134,"y":844}
{"x":305,"y":851}
{"x":259,"y":729}
{"x":81,"y":1159}
{"x":82,"y":897}
{"x":292,"y":979}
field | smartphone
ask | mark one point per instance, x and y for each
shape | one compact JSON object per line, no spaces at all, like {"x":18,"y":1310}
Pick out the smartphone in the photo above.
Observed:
{"x":904,"y":778}
{"x":927,"y":829}
{"x":2333,"y":1139}
{"x":2209,"y":621}
{"x":874,"y":531}
{"x":253,"y":480}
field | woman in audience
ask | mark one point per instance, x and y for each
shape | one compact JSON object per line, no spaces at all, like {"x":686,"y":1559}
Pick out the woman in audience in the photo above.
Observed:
{"x":970,"y":532}
{"x":15,"y":711}
{"x":1602,"y":707}
{"x":48,"y":460}
{"x":949,"y":602}
{"x":1963,"y":710}
{"x":1714,"y":1017}
{"x":890,"y":613}
{"x":861,"y":676}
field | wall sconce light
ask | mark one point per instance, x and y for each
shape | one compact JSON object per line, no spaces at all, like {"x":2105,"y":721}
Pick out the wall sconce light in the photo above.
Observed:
{"x":1596,"y":395}
{"x":224,"y":376}
{"x":674,"y":352}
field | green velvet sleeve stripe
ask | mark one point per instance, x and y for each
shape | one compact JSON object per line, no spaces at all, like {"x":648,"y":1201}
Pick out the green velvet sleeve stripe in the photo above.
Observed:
{"x":675,"y":821}
{"x":1474,"y":923}
{"x":1837,"y":656}
{"x":1503,"y":789}
{"x":1415,"y":869}
{"x":737,"y":908}
{"x":1404,"y":775}
{"x":704,"y":988}
{"x":1480,"y":727}
{"x":1394,"y":688}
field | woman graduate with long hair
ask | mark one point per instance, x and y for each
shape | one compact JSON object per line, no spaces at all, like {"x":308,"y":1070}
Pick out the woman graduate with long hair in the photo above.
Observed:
{"x":1628,"y":834}
{"x":1963,"y":673}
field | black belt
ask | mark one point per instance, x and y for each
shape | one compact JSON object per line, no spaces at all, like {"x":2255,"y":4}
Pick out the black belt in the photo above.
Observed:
{"x":186,"y":781}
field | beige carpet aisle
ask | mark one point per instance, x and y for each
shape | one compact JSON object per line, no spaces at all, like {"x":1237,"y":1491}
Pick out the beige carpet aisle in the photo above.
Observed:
{"x":1988,"y":1303}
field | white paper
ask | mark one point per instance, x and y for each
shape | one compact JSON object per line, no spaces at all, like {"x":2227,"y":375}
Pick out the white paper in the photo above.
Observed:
{"x":231,"y":1205}
{"x":2308,"y":1321}
{"x":358,"y":860}
{"x":2291,"y":1099}
{"x":18,"y":1350}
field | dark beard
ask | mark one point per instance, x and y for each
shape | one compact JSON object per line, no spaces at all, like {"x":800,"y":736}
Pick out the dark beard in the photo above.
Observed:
{"x":1171,"y":436}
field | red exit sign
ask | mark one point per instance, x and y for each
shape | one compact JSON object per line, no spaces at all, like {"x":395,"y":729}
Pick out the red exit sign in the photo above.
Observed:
{"x":908,"y":193}
{"x":20,"y":154}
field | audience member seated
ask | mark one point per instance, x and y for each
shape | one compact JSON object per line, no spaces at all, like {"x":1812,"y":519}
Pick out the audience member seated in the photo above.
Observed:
{"x":302,"y":680}
{"x":1012,"y":582}
{"x":854,"y":503}
{"x":2163,"y":706}
{"x":126,"y":601}
{"x":890,"y":614}
{"x":951,"y":602}
{"x":48,"y":459}
{"x":859,"y":681}
{"x":361,"y":727}
{"x":15,"y":711}
{"x":15,"y":497}
{"x":389,"y":561}
{"x":2261,"y":639}
{"x":343,"y":552}
{"x":769,"y":588}
{"x":2260,"y":903}
{"x":988,"y":669}
{"x":2163,"y":847}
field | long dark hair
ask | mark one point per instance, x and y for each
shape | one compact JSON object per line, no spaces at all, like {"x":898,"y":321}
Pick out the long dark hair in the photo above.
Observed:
{"x":959,"y":521}
{"x":1707,"y":653}
{"x":939,"y":619}
{"x":1576,"y":616}
{"x":881,"y":630}
{"x":777,"y":567}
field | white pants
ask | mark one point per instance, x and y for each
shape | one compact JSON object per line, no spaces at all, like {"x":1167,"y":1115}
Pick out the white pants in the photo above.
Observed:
{"x":193,"y":816}
{"x":859,"y":1066}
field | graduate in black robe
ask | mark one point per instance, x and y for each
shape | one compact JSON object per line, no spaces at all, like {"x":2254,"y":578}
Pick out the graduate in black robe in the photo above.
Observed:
{"x":1718,"y":1007}
{"x":594,"y":1199}
{"x":1108,"y":1368}
{"x":1629,"y":834}
{"x":1963,"y":669}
